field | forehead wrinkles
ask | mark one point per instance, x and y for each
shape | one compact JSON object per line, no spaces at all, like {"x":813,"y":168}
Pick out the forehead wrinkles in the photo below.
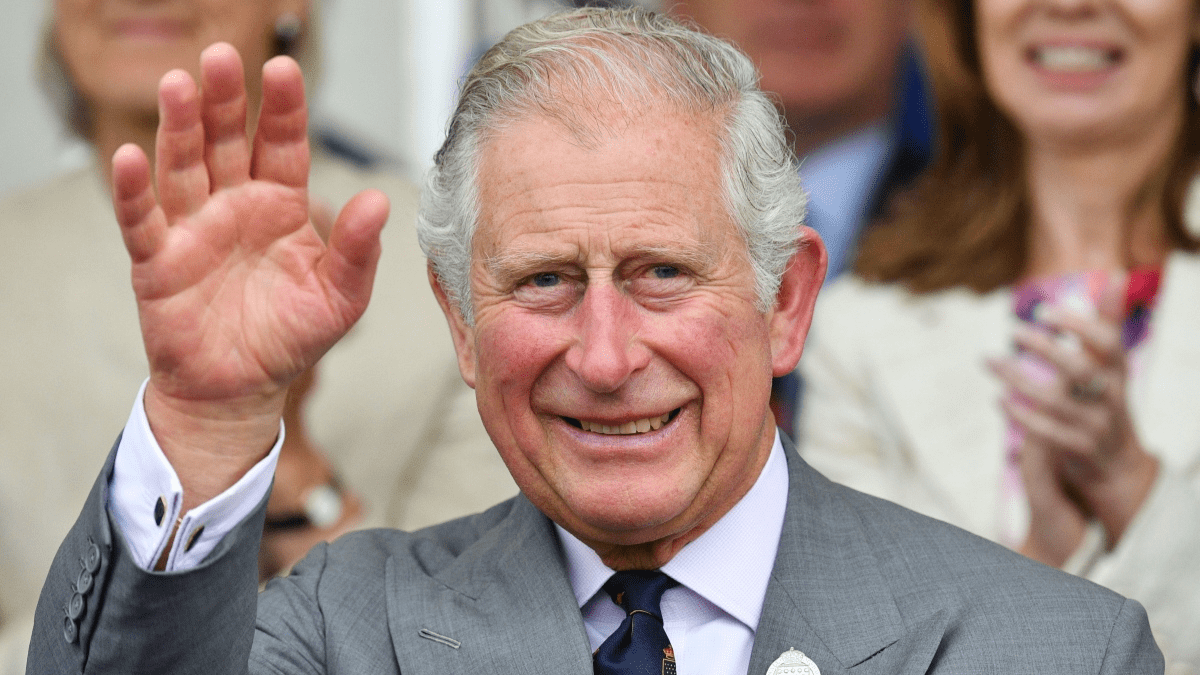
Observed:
{"x":649,"y":190}
{"x":695,"y":140}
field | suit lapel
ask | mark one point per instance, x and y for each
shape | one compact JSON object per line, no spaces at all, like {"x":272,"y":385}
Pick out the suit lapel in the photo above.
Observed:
{"x":827,"y":596}
{"x":504,"y":605}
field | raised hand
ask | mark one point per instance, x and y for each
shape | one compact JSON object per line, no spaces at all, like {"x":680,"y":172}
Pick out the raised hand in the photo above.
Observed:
{"x":236,"y":291}
{"x":1080,"y":419}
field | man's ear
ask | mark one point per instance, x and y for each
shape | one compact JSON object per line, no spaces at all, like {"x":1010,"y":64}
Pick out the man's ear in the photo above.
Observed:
{"x":462,"y":334}
{"x":794,"y":304}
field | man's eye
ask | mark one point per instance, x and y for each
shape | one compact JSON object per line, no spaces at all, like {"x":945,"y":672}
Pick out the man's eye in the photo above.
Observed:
{"x":665,"y":272}
{"x":545,"y":279}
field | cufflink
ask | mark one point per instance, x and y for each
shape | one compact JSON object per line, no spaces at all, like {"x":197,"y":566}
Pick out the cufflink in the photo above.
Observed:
{"x":192,"y":539}
{"x":160,"y":510}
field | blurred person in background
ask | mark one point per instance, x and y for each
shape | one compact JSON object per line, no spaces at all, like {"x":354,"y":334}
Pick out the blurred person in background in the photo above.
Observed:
{"x":852,"y":91}
{"x":403,"y":433}
{"x":1017,"y":351}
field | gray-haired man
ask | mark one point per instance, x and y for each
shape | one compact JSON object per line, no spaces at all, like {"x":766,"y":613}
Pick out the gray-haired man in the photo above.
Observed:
{"x":613,"y":235}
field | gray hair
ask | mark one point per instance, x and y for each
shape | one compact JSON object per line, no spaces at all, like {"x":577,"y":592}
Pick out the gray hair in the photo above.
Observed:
{"x":634,"y":59}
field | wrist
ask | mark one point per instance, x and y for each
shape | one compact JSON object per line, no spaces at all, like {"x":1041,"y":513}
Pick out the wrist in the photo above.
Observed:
{"x":212,"y":444}
{"x":1116,"y":501}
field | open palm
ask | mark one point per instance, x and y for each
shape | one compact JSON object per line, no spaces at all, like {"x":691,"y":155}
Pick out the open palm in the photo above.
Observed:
{"x":236,"y":291}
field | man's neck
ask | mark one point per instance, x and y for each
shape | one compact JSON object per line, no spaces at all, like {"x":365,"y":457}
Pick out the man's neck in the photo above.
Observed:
{"x":657,"y":552}
{"x":768,"y":487}
{"x":729,"y":567}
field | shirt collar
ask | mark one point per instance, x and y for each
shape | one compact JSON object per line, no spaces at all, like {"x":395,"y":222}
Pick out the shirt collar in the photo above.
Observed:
{"x":728,"y":565}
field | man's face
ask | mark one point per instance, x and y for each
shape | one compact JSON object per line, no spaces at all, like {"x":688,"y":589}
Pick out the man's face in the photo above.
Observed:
{"x":620,"y":363}
{"x":832,"y":62}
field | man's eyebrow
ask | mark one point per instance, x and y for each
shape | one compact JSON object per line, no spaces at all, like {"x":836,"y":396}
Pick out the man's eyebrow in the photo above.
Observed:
{"x":517,"y":264}
{"x":695,"y":257}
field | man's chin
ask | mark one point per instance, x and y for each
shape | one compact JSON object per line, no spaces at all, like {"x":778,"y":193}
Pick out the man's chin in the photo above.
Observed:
{"x":634,"y":524}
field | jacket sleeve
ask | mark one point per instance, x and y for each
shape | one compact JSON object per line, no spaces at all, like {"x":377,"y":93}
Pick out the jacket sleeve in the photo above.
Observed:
{"x":1131,"y":647}
{"x":101,"y":613}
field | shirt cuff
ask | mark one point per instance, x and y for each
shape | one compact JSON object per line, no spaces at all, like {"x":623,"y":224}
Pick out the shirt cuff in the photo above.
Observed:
{"x":145,"y":497}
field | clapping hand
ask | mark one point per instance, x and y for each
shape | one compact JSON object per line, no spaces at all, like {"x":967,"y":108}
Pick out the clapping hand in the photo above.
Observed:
{"x":1081,"y":457}
{"x":236,"y":291}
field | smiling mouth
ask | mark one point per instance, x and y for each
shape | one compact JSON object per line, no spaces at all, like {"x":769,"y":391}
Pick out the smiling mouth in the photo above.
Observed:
{"x":1074,"y":58}
{"x":641,"y":426}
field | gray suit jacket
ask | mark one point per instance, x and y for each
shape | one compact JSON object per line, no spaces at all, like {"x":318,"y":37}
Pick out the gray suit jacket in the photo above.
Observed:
{"x":859,"y":585}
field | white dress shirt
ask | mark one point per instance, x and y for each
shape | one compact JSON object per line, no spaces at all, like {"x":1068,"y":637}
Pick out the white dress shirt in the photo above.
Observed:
{"x":142,"y":477}
{"x":712,"y":615}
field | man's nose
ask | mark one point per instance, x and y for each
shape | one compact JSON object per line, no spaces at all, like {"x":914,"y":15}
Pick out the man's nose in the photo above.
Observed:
{"x":606,"y":349}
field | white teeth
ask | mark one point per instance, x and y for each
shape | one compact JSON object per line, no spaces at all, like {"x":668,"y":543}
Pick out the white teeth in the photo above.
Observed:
{"x":638,"y":427}
{"x":1073,"y":58}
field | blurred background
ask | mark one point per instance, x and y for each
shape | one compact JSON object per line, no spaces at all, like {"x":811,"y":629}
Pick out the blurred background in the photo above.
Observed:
{"x":397,"y":107}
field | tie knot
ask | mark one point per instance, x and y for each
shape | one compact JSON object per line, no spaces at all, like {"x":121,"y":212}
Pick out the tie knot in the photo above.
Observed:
{"x":639,"y":590}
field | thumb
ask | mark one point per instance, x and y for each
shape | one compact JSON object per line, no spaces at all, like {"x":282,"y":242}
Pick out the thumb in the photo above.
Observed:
{"x":354,"y":249}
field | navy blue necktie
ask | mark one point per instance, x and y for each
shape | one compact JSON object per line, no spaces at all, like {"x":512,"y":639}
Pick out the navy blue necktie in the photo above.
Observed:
{"x":639,"y":646}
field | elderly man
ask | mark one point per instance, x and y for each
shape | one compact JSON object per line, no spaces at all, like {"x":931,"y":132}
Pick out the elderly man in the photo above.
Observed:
{"x":613,"y":235}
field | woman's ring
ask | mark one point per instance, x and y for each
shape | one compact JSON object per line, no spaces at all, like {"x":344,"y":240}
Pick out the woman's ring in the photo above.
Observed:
{"x":1087,"y":392}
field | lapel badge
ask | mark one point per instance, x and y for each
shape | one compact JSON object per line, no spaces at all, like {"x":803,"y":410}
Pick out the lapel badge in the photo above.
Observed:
{"x":793,"y":662}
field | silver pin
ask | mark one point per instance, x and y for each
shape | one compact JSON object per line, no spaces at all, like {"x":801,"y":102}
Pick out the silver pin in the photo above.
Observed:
{"x":793,"y":662}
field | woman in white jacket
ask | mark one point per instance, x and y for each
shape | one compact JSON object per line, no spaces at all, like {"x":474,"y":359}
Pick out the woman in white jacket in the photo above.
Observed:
{"x":1069,"y":135}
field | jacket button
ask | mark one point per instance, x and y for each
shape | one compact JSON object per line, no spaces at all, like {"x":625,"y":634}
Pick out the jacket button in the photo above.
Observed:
{"x":91,"y":560}
{"x":70,"y":630}
{"x":76,"y":607}
{"x":85,"y":582}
